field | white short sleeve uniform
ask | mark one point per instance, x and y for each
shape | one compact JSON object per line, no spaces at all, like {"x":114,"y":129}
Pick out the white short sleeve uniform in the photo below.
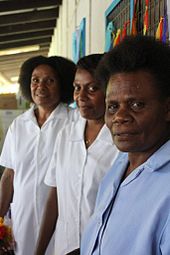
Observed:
{"x":76,"y":172}
{"x":28,"y":150}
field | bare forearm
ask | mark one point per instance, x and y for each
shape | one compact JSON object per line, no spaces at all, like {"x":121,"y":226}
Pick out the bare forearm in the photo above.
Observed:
{"x":6,"y":191}
{"x":48,"y":223}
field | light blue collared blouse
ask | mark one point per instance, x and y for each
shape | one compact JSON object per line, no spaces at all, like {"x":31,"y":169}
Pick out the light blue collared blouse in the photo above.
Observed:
{"x":132,"y":217}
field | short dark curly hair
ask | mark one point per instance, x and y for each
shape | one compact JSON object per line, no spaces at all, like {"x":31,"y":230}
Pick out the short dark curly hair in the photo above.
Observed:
{"x":64,"y":68}
{"x":89,"y":62}
{"x":136,"y":53}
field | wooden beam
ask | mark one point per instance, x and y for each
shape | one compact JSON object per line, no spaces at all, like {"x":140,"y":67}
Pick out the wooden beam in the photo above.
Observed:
{"x":29,"y":27}
{"x":29,"y":17}
{"x":25,"y":36}
{"x":25,"y":43}
{"x":22,"y":4}
{"x":20,"y":56}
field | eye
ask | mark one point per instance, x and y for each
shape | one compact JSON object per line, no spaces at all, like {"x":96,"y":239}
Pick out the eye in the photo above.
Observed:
{"x":137,"y":105}
{"x":49,"y":81}
{"x":112,"y":108}
{"x":34,"y":80}
{"x":76,"y":87}
{"x":92,"y":88}
{"x":46,"y":81}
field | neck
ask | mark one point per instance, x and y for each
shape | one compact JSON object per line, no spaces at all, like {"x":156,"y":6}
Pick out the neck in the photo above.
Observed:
{"x":42,"y":114}
{"x":92,"y":129}
{"x":134,"y":162}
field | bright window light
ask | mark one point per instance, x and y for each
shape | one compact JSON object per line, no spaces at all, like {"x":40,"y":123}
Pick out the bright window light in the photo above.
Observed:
{"x":11,"y":88}
{"x":14,"y":79}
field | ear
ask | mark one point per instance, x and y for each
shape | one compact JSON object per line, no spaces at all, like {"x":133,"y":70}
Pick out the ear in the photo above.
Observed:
{"x":167,"y":104}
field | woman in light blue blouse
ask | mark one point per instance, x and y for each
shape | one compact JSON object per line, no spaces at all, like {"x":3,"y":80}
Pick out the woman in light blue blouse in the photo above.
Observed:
{"x":132,"y":213}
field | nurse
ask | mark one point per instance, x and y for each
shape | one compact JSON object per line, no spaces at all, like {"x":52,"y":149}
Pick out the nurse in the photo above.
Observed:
{"x":132,"y":213}
{"x":47,"y":84}
{"x":83,"y":153}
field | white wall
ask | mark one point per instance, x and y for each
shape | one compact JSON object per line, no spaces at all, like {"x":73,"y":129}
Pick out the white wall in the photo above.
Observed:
{"x":70,"y":16}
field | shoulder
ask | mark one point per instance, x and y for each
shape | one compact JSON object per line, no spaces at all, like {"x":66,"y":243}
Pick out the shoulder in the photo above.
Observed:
{"x":73,"y":113}
{"x":159,"y":164}
{"x":117,"y":167}
{"x":20,"y":119}
{"x":113,"y":176}
{"x":65,"y":111}
{"x":105,"y":135}
{"x":73,"y":130}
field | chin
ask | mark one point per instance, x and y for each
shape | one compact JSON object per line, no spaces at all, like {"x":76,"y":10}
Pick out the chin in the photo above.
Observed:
{"x":85,"y":115}
{"x":123,"y":147}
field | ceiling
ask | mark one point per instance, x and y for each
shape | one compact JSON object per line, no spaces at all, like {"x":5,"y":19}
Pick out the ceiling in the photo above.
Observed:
{"x":25,"y":23}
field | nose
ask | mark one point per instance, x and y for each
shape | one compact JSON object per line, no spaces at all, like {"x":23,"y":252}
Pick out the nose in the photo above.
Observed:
{"x":121,"y":116}
{"x":42,"y":83}
{"x":82,"y":95}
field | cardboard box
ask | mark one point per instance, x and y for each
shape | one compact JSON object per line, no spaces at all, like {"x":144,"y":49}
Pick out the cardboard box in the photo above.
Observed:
{"x":8,"y":101}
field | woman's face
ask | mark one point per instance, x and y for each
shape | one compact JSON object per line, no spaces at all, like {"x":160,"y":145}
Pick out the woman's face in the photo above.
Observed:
{"x":90,"y":99}
{"x":45,"y":89}
{"x":135,"y":113}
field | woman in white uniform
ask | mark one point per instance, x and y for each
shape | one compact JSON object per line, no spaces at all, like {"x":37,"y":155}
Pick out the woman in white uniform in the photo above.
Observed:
{"x":83,"y":153}
{"x":28,"y":147}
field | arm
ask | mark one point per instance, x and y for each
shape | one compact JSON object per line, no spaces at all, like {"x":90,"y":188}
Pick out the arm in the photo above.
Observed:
{"x":6,"y":190}
{"x":164,"y":240}
{"x":48,"y":223}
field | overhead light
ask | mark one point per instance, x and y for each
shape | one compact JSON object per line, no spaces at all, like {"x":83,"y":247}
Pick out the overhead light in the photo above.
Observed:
{"x":19,"y":50}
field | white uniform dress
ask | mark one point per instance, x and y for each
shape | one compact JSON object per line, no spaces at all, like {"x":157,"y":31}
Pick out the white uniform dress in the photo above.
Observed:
{"x":28,"y":150}
{"x":76,"y":172}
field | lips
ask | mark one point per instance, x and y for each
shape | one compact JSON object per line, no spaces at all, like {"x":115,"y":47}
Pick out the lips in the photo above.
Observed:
{"x":84,"y":106}
{"x":41,"y":95}
{"x":124,"y":133}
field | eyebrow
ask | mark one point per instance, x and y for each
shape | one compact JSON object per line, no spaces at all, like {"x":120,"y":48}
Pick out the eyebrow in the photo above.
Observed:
{"x":90,"y":83}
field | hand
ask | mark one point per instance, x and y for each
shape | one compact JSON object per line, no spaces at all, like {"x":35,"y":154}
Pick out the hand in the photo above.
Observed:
{"x":5,"y":251}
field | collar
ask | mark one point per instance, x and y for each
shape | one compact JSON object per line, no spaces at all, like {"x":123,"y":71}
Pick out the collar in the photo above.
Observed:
{"x":154,"y":163}
{"x":159,"y":158}
{"x":111,"y":181}
{"x":77,"y":132}
{"x":60,"y":112}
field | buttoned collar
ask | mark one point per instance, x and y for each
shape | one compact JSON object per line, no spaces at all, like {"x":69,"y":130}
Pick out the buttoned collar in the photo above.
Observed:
{"x":60,"y":112}
{"x":77,"y":132}
{"x":115,"y":175}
